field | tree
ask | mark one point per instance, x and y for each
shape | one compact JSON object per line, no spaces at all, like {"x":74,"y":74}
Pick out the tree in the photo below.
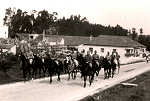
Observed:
{"x":16,"y":23}
{"x":44,"y":20}
{"x":141,"y":31}
{"x":27,"y":23}
{"x":134,"y":34}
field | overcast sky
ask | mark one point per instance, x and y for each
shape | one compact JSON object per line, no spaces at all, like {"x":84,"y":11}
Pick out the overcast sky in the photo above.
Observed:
{"x":127,"y":13}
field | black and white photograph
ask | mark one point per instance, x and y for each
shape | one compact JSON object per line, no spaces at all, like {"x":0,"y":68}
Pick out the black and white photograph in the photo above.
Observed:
{"x":75,"y":50}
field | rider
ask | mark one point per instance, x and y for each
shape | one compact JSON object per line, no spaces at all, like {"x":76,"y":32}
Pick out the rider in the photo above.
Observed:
{"x":74,"y":55}
{"x":95,"y":57}
{"x":88,"y":57}
{"x":83,"y":53}
{"x":107,"y":56}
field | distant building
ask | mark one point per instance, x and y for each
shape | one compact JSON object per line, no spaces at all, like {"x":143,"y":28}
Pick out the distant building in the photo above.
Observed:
{"x":8,"y":48}
{"x":102,"y":44}
{"x":3,"y":32}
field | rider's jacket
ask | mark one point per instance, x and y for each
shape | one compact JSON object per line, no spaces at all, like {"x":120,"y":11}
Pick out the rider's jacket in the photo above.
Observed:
{"x":95,"y":57}
{"x":88,"y":58}
{"x":74,"y":56}
{"x":107,"y":57}
{"x":83,"y":54}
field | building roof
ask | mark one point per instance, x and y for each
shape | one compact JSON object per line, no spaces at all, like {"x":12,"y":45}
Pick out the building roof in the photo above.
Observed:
{"x":115,"y":41}
{"x":102,"y":40}
{"x":6,"y":46}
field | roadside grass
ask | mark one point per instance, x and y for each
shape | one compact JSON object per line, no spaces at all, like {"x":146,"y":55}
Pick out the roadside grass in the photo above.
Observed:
{"x":125,"y":92}
{"x":14,"y":74}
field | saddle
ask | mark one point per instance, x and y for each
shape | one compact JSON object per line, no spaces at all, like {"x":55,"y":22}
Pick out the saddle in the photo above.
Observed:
{"x":97,"y":62}
{"x":89,"y":63}
{"x":75,"y":62}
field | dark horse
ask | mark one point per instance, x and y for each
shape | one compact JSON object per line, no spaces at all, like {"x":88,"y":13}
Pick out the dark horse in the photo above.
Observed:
{"x":38,"y":66}
{"x":70,"y":66}
{"x":113,"y":61}
{"x":96,"y":67}
{"x":86,"y":70}
{"x":25,"y":66}
{"x":106,"y":64}
{"x":109,"y":66}
{"x":53,"y":66}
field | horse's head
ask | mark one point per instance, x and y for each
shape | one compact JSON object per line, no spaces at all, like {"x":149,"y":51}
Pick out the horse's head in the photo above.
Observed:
{"x":30,"y":60}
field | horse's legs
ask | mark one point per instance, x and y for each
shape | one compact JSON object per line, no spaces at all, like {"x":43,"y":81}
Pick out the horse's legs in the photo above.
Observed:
{"x":75,"y":73}
{"x":118,"y":68}
{"x":29,"y":73}
{"x":68,"y":75}
{"x":85,"y":77}
{"x":50,"y":77}
{"x":40,"y":72}
{"x":91,"y":79}
{"x":72,"y":73}
{"x":109,"y":72}
{"x":58,"y":77}
{"x":24,"y":74}
{"x":105,"y":74}
{"x":44,"y":70}
{"x":113,"y":71}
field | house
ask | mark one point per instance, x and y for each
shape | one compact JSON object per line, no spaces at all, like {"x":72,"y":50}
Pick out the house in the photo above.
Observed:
{"x":122,"y":44}
{"x":103,"y":44}
{"x":3,"y":31}
{"x":9,"y":48}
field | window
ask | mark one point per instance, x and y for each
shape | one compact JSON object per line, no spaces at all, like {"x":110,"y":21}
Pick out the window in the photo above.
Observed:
{"x":91,"y":50}
{"x":114,"y":50}
{"x":127,"y":51}
{"x":31,"y":37}
{"x":102,"y":50}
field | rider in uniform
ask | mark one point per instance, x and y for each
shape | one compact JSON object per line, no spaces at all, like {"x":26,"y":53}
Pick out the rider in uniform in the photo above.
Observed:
{"x":107,"y":56}
{"x":88,"y":58}
{"x":83,"y":53}
{"x":95,"y":57}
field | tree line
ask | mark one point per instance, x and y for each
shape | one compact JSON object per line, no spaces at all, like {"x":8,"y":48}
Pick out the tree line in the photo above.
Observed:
{"x":38,"y":22}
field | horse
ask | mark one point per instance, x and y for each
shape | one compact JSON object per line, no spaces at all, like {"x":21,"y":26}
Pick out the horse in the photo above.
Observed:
{"x":96,"y":66}
{"x":114,"y":63}
{"x":53,"y":66}
{"x":25,"y":66}
{"x":106,"y":64}
{"x":86,"y":70}
{"x":70,"y":66}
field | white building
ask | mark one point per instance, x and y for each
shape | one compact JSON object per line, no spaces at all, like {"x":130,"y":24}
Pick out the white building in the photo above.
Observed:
{"x":102,"y":44}
{"x":122,"y":44}
{"x":8,"y":48}
{"x":3,"y":32}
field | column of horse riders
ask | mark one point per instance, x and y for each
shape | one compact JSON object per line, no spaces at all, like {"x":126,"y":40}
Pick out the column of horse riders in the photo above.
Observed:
{"x":88,"y":58}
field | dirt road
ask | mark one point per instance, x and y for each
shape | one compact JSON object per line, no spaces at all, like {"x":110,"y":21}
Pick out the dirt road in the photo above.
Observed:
{"x":41,"y":90}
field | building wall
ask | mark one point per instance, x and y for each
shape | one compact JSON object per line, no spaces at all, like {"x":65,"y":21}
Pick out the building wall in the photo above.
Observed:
{"x":121,"y":50}
{"x":3,"y":32}
{"x":13,"y":50}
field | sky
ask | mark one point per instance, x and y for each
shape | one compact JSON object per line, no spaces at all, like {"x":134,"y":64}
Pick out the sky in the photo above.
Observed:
{"x":127,"y":13}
